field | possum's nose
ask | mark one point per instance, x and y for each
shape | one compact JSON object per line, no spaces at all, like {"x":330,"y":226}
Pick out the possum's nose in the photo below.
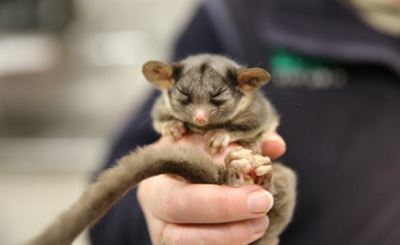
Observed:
{"x":200,"y":117}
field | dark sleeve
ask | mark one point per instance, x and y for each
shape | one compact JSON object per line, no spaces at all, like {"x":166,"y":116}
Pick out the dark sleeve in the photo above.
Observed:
{"x":124,"y":223}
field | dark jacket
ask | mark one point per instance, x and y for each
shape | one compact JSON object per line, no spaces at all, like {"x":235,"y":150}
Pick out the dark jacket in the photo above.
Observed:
{"x":343,"y":141}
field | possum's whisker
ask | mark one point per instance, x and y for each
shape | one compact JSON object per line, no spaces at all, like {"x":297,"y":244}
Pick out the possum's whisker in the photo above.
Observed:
{"x":145,"y":121}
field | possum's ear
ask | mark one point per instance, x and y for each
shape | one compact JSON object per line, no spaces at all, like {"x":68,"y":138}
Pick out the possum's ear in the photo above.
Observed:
{"x":251,"y":79}
{"x":159,"y":74}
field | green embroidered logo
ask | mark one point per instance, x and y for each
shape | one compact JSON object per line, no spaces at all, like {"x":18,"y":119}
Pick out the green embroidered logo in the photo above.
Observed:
{"x":292,"y":70}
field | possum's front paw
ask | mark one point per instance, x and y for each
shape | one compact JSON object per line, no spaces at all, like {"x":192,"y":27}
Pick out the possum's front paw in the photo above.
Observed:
{"x":245,"y":167}
{"x":217,"y":140}
{"x":174,"y":129}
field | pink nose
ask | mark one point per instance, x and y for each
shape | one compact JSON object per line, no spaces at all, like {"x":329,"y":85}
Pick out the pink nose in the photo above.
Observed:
{"x":200,"y":120}
{"x":200,"y":117}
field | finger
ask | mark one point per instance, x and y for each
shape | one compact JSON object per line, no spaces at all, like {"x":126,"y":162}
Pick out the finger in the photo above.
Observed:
{"x":243,"y":232}
{"x":174,"y":201}
{"x":273,"y":146}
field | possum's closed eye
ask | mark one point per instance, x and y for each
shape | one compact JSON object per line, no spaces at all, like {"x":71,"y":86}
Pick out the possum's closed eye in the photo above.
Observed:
{"x":184,"y":97}
{"x":218,"y":98}
{"x":217,"y":102}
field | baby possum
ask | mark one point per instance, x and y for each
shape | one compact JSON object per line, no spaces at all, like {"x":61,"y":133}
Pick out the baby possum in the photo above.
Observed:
{"x":207,"y":94}
{"x":211,"y":95}
{"x":214,"y":96}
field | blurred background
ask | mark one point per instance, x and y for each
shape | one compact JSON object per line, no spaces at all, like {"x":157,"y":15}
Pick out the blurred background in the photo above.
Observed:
{"x":70,"y":74}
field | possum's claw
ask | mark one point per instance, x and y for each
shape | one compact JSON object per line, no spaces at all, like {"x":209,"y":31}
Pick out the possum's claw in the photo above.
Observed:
{"x":174,"y":129}
{"x":217,"y":140}
{"x":246,"y":167}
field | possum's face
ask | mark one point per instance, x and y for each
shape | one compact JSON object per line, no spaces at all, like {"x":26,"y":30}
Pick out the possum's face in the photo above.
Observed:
{"x":205,"y":89}
{"x":203,"y":96}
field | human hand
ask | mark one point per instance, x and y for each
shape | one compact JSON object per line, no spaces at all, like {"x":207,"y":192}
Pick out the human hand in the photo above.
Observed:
{"x":181,"y":213}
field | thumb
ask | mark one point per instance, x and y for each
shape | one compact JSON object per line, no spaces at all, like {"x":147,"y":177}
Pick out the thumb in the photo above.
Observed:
{"x":273,"y":145}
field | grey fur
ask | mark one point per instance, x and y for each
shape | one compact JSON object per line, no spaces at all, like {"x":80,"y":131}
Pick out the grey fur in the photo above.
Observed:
{"x":245,"y":115}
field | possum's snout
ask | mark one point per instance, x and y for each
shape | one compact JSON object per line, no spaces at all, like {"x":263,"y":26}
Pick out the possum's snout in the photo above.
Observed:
{"x":200,"y":116}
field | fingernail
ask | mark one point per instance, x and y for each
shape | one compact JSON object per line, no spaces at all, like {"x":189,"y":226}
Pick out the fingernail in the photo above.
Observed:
{"x":259,"y":202}
{"x":259,"y":227}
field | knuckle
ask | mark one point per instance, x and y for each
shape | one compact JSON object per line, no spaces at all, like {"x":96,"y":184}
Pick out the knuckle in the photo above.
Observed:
{"x":224,"y":207}
{"x":170,"y":208}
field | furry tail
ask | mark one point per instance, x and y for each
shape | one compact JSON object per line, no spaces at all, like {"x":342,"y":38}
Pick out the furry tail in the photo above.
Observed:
{"x":114,"y":183}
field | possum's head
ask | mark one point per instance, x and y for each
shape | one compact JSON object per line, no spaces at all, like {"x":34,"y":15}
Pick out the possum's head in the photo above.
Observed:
{"x":205,"y":89}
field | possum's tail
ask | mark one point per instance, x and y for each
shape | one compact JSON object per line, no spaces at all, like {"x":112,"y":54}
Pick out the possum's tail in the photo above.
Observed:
{"x":114,"y":183}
